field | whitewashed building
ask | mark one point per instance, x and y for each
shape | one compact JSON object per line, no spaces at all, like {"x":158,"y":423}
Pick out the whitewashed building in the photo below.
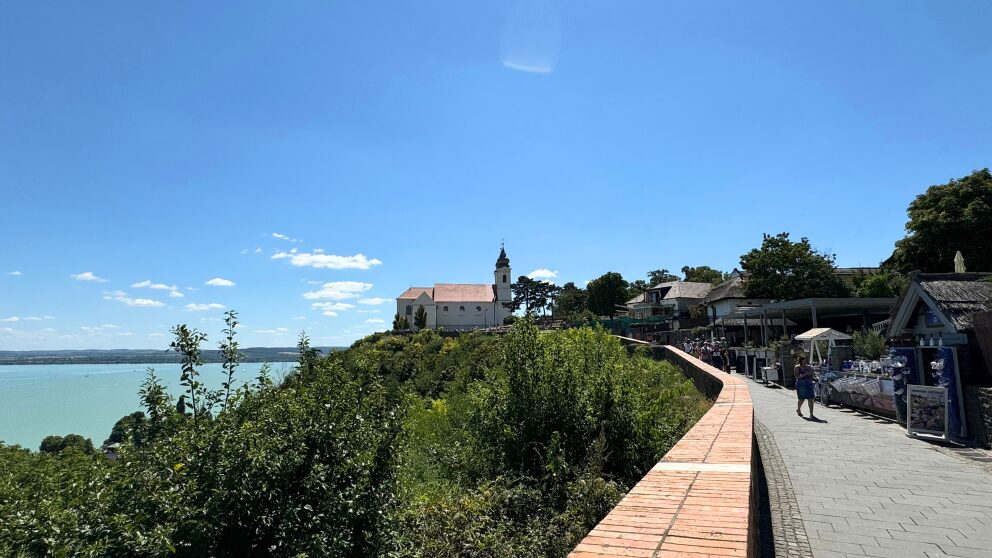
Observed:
{"x":462,"y":307}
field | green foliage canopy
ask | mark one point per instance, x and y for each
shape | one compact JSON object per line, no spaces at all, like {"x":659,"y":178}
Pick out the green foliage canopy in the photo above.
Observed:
{"x":606,"y":292}
{"x":703,"y":274}
{"x":945,"y":219}
{"x":786,"y":270}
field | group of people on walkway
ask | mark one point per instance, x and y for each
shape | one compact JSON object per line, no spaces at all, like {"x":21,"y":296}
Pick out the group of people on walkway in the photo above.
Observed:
{"x":712,"y":352}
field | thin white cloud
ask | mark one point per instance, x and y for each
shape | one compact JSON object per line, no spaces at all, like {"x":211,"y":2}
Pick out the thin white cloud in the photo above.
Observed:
{"x":146,"y":284}
{"x":287,"y":238}
{"x":373,"y":301}
{"x":220,"y":282}
{"x":338,"y":290}
{"x":11,"y":319}
{"x":88,"y":276}
{"x":245,"y":251}
{"x":25,"y":318}
{"x":375,"y":321}
{"x":15,"y":273}
{"x":122,"y":297}
{"x":257,"y":251}
{"x":276,"y":331}
{"x":542,"y":273}
{"x":368,"y":311}
{"x":331,"y":308}
{"x":300,"y":318}
{"x":99,"y":329}
{"x":204,"y":307}
{"x":320,"y":260}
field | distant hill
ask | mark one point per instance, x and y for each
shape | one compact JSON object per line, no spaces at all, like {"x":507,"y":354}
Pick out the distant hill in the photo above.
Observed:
{"x":146,"y":356}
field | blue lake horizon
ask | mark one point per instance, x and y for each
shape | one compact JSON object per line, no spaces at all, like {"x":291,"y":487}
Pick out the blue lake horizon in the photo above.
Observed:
{"x":38,"y":400}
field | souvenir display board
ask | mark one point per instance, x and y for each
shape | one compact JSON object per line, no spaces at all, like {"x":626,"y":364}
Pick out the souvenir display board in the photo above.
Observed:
{"x":927,"y":411}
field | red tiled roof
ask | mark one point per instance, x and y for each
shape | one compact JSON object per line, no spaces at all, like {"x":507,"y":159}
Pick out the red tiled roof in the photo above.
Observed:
{"x":414,"y":292}
{"x":463,"y":293}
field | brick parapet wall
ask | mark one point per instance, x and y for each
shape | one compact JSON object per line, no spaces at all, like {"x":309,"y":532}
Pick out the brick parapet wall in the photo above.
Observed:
{"x":700,"y":499}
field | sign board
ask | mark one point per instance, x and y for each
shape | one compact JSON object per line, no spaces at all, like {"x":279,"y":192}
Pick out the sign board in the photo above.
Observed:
{"x":926,"y":411}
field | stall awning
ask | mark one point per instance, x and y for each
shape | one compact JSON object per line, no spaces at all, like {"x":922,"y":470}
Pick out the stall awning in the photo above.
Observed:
{"x":823,"y":334}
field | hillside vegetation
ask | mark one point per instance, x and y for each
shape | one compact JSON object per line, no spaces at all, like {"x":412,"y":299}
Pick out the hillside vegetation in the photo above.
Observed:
{"x":399,"y":446}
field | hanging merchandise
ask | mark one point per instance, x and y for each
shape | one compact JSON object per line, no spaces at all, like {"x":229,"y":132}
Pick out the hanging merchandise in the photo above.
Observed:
{"x":896,"y":367}
{"x":947,"y":377}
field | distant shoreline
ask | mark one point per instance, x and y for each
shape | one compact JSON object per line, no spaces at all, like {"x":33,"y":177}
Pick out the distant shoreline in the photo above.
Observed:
{"x":145,"y":356}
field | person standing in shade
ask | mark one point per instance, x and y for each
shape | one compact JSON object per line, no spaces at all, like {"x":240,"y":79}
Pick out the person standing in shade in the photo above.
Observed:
{"x":804,"y":386}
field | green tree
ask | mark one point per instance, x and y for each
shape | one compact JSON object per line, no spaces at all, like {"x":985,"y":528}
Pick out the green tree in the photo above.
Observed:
{"x":661,"y":276}
{"x":606,"y":292}
{"x":570,"y":302}
{"x":525,"y":294}
{"x":56,"y":444}
{"x":187,"y":344}
{"x":785,"y":270}
{"x":400,"y":323}
{"x":947,"y":218}
{"x":637,"y":287}
{"x":229,"y":350}
{"x":703,"y":274}
{"x":420,"y":318}
{"x":877,"y":285}
{"x":128,"y":429}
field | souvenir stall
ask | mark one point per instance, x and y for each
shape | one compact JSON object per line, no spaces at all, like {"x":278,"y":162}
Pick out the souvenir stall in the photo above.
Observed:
{"x":933,"y":331}
{"x":841,"y":379}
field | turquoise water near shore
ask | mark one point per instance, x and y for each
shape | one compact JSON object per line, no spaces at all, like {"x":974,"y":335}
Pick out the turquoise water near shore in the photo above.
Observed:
{"x":42,"y":399}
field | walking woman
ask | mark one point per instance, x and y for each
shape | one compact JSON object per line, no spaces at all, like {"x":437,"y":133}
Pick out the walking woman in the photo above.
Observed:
{"x":804,"y":386}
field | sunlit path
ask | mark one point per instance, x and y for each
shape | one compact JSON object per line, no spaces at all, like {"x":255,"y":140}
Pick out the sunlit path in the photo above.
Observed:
{"x":863,"y":488}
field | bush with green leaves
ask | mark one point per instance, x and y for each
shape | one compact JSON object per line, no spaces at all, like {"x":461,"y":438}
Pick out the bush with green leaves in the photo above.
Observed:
{"x":405,"y":445}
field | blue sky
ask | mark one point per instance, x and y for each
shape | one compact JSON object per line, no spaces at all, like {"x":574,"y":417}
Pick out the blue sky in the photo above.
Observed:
{"x":165,"y":144}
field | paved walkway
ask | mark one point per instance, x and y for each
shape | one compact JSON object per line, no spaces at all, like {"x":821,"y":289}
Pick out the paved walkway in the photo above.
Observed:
{"x":862,"y":488}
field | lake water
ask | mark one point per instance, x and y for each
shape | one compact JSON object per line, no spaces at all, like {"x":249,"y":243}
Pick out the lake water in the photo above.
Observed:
{"x":42,"y":399}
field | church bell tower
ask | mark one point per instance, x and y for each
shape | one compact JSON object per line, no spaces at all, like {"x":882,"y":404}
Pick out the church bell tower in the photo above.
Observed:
{"x":503,"y":277}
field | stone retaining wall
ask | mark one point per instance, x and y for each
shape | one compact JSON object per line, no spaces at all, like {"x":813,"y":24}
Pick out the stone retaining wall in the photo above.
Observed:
{"x":701,"y":498}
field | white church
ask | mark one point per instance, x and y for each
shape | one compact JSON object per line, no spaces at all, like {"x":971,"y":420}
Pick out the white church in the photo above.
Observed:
{"x":462,"y":307}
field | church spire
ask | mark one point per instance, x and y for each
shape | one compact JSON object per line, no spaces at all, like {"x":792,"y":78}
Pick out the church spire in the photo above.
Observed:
{"x":502,"y":260}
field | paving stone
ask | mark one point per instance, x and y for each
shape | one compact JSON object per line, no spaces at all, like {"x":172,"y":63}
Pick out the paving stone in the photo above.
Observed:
{"x":866,"y":489}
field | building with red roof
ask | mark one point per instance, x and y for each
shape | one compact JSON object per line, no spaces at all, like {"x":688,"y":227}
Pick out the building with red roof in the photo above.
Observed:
{"x":462,"y":307}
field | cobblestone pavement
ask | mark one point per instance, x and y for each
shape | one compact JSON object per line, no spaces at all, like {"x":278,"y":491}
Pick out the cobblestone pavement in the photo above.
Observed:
{"x":863,"y":488}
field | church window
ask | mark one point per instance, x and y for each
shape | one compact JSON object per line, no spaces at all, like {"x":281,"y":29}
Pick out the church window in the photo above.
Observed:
{"x":409,"y":310}
{"x":461,"y":308}
{"x":445,"y":308}
{"x":504,"y":278}
{"x":478,"y":309}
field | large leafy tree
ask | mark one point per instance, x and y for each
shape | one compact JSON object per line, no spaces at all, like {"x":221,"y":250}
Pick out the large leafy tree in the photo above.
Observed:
{"x":945,"y":219}
{"x":786,"y":270}
{"x":703,"y":274}
{"x":606,"y":292}
{"x":570,"y":302}
{"x":525,"y":294}
{"x":661,"y":276}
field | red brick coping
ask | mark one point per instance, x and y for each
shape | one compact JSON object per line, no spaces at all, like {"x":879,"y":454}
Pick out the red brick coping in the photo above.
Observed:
{"x":698,"y":500}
